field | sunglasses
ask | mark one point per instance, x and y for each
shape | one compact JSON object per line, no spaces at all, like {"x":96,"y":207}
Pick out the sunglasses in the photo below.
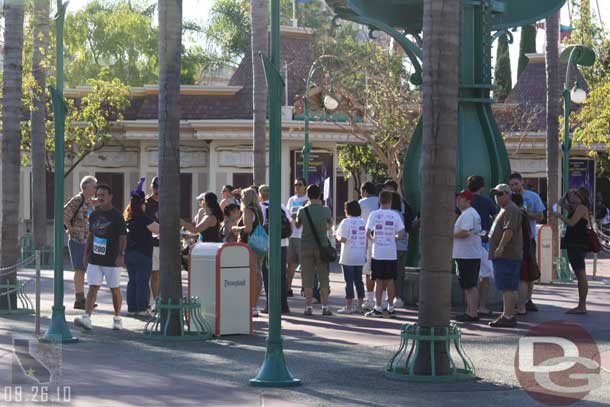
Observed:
{"x":500,"y":193}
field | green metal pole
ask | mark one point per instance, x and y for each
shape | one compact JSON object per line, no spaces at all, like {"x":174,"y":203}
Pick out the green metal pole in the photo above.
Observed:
{"x":58,"y":329}
{"x":274,"y":372}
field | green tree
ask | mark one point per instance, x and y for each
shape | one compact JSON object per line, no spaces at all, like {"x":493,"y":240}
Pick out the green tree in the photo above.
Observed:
{"x":527,"y":45}
{"x":357,"y":160}
{"x":591,"y":123}
{"x":229,"y":29}
{"x":11,"y":115}
{"x":502,"y":71}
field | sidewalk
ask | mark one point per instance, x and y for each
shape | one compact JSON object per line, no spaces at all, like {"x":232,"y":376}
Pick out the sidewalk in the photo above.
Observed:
{"x":340,"y":359}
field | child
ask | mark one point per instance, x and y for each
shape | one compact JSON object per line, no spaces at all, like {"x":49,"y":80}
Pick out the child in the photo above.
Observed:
{"x":384,"y":227}
{"x":232,"y":215}
{"x":352,"y":234}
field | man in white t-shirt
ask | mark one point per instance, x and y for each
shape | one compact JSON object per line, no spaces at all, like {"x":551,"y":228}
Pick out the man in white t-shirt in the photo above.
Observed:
{"x":368,"y":204}
{"x":298,"y":200}
{"x":467,"y":253}
{"x":383,"y":228}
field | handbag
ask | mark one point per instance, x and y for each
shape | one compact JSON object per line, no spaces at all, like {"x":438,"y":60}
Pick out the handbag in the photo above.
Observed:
{"x":594,"y":243}
{"x":328,"y":253}
{"x":258,"y":240}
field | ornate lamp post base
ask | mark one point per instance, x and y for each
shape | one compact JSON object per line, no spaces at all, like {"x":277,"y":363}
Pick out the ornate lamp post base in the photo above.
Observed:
{"x":58,"y":330}
{"x":274,"y":372}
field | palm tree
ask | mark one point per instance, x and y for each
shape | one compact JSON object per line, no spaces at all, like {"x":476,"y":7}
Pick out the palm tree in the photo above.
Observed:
{"x":440,"y":132}
{"x":11,"y":138}
{"x":170,"y":44}
{"x":552,"y":119}
{"x":260,"y":42}
{"x":40,"y":46}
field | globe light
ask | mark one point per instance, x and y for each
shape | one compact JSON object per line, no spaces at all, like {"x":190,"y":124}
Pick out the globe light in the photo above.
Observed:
{"x":330,"y":103}
{"x":578,"y":95}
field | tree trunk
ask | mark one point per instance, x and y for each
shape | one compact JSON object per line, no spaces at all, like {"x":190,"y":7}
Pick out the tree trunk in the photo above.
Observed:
{"x":439,"y":145}
{"x":260,"y":42}
{"x":38,"y":119}
{"x":11,"y":140}
{"x":170,"y":39}
{"x":527,"y":45}
{"x":552,"y":122}
{"x":502,"y":72}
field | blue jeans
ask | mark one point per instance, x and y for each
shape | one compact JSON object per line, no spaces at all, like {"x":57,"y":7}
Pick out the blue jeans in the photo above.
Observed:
{"x":353,"y":276}
{"x":139,"y":267}
{"x":284,"y":292}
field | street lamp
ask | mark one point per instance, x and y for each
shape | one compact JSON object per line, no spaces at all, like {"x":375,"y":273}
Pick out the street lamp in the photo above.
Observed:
{"x":330,"y":103}
{"x":583,"y":56}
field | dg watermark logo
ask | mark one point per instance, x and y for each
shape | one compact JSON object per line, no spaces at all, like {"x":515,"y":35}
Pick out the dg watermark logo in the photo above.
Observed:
{"x":558,"y":363}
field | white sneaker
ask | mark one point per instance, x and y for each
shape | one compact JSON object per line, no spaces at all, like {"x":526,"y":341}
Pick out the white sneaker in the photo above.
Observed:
{"x":83,"y":322}
{"x":254,"y":312}
{"x":398,"y":303}
{"x":117,"y":323}
{"x":144,"y":314}
{"x":345,"y":310}
{"x":368,"y":305}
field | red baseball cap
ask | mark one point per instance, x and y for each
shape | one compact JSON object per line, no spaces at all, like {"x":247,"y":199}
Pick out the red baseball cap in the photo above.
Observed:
{"x":465,"y":193}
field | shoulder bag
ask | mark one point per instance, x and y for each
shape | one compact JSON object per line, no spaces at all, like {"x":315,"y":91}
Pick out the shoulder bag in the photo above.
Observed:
{"x":594,"y":244}
{"x":328,"y":253}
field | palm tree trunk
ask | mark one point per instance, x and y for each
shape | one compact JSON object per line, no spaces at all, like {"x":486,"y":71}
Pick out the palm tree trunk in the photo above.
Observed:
{"x":11,"y":140}
{"x":38,"y":119}
{"x":260,"y":42}
{"x":170,"y":41}
{"x":552,"y":121}
{"x":440,"y":106}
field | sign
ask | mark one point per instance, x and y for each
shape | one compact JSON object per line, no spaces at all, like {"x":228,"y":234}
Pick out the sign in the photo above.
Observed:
{"x":320,"y":172}
{"x":582,"y":174}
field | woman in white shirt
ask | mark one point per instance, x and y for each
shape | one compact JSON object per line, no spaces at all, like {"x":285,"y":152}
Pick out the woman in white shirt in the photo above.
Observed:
{"x":351,"y":232}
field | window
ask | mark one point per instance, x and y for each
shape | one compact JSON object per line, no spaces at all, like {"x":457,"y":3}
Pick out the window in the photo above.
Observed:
{"x":242,"y":179}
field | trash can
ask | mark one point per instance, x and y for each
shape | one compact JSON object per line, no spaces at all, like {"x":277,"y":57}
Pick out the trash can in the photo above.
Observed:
{"x":220,"y":275}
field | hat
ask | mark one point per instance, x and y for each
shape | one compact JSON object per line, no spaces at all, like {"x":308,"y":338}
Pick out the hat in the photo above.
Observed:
{"x":465,"y":193}
{"x":502,"y":188}
{"x":155,"y":183}
{"x":200,"y":196}
{"x":263,"y":189}
{"x":138,"y":193}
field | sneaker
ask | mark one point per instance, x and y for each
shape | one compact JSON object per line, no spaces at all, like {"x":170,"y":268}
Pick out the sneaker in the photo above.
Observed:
{"x":530,"y":306}
{"x":83,"y":322}
{"x":345,"y":310}
{"x":117,"y":323}
{"x":326,"y":312}
{"x":374,"y":314}
{"x":131,"y":314}
{"x":144,"y":314}
{"x":308,"y":312}
{"x":504,"y":322}
{"x":398,"y":303}
{"x":265,"y":310}
{"x":254,"y":312}
{"x":368,"y":305}
{"x":466,"y":318}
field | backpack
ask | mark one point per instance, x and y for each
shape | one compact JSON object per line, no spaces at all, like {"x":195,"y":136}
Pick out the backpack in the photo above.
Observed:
{"x":75,"y":214}
{"x":286,"y":228}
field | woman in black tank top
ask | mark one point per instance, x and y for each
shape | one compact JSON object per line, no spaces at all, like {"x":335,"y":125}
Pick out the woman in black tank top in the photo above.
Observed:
{"x":208,"y":225}
{"x":576,"y":241}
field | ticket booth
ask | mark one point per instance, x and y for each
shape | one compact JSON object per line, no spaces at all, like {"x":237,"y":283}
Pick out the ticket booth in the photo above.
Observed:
{"x":220,"y":275}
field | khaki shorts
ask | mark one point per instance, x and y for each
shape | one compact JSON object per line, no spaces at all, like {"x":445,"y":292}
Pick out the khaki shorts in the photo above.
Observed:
{"x":366,"y":269}
{"x":155,"y":259}
{"x":294,"y":251}
{"x":311,"y":264}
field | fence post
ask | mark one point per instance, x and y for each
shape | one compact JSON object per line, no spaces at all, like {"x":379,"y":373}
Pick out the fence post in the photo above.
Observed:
{"x":37,"y":331}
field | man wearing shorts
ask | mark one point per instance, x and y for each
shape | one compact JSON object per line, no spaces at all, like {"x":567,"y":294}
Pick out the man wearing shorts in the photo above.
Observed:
{"x":506,"y":252}
{"x":104,"y":256}
{"x":467,"y":253}
{"x":368,"y":204}
{"x":315,"y":220}
{"x":383,"y":228}
{"x":76,"y":219}
{"x":152,"y":211}
{"x":295,"y":202}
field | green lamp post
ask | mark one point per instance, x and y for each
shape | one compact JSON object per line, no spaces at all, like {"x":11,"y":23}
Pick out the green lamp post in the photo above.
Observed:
{"x":329,"y":102}
{"x":274,"y":372}
{"x":574,"y":55}
{"x":58,"y":330}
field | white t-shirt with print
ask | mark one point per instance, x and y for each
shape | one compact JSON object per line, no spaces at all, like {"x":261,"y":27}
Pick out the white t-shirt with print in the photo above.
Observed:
{"x":468,"y":247}
{"x":368,"y":205}
{"x":353,"y":251}
{"x":293,"y":205}
{"x":385,"y":224}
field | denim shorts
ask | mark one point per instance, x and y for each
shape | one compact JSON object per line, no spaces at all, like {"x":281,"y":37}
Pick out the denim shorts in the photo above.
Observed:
{"x":506,"y":274}
{"x":77,"y":254}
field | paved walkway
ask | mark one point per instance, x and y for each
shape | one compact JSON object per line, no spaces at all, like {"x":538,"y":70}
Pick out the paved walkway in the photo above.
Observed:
{"x":340,"y":359}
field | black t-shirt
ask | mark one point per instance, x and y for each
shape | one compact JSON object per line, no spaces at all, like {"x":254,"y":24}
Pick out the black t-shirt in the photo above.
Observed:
{"x":138,"y":236}
{"x":486,"y":209}
{"x":106,"y":227}
{"x":152,"y":211}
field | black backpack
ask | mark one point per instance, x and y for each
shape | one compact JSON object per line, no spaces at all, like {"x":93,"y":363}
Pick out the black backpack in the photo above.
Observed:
{"x":286,"y":229}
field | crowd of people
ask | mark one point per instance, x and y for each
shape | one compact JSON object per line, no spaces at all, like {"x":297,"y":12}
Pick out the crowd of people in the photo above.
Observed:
{"x":492,"y":242}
